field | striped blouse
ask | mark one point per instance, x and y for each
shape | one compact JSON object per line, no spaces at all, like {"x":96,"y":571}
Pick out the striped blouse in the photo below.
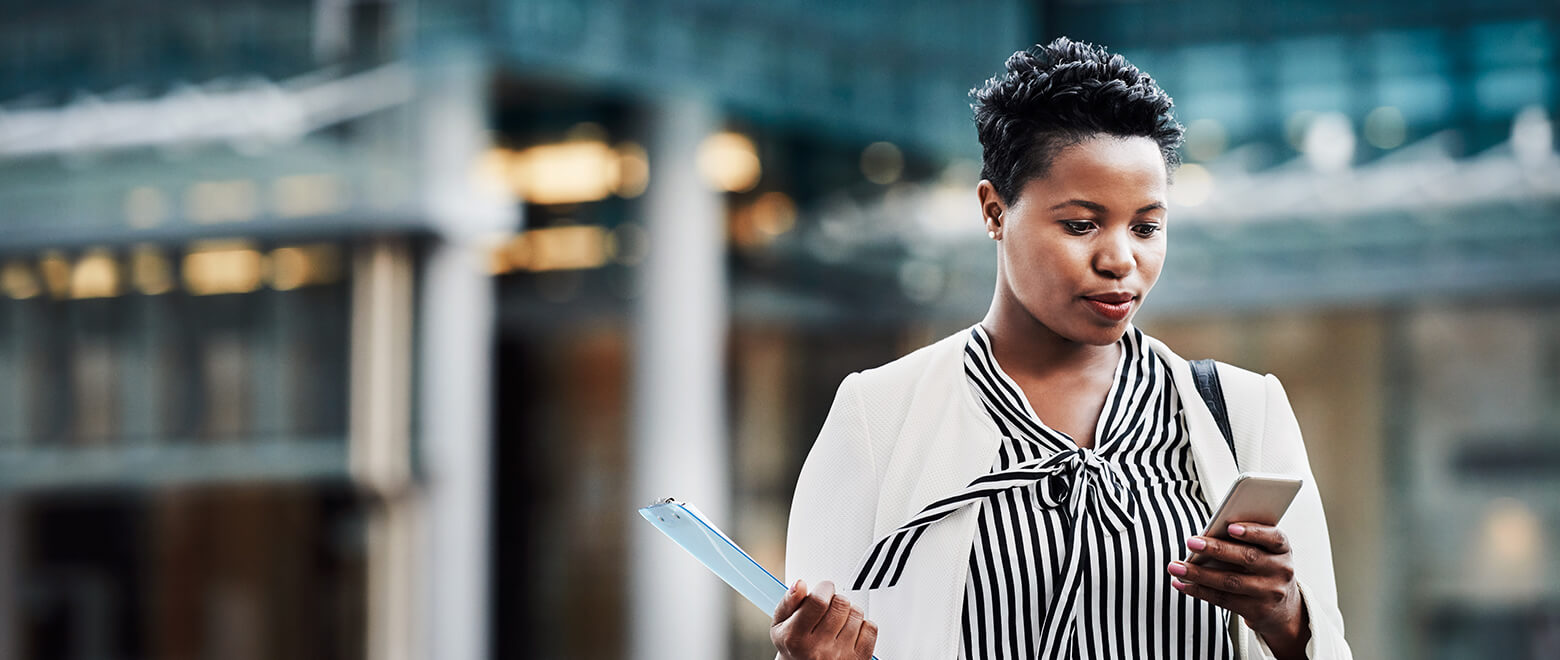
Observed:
{"x":1069,"y":555}
{"x":1073,"y":565}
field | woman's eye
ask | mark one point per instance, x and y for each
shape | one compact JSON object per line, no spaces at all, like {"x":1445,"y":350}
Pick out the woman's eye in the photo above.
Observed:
{"x":1078,"y":226}
{"x":1147,"y":230}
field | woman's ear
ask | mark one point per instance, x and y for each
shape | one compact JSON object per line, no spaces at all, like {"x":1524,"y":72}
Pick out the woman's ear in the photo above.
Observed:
{"x":991,"y":208}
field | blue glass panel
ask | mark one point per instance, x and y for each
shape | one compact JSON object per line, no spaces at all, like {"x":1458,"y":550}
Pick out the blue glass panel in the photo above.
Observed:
{"x":1232,"y":108}
{"x":1311,"y":60}
{"x":1422,"y":99}
{"x":1316,"y":97}
{"x":1147,"y":61}
{"x":1397,"y":53}
{"x":1502,"y":93}
{"x":1216,"y":66}
{"x":1504,"y":44}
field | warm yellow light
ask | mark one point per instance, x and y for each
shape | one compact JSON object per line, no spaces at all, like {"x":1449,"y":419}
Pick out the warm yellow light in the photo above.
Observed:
{"x":96,"y":275}
{"x":214,"y":267}
{"x":1508,"y":561}
{"x":760,"y":223}
{"x":498,"y":261}
{"x":221,"y":201}
{"x":774,"y":213}
{"x":1513,"y":534}
{"x":517,"y":253}
{"x":633,"y":170}
{"x":304,"y":195}
{"x":882,"y":162}
{"x":563,"y":248}
{"x":145,"y":207}
{"x":491,"y":173}
{"x":56,"y":273}
{"x":729,"y":161}
{"x":1193,"y":185}
{"x":565,"y":173}
{"x":18,"y":281}
{"x":302,"y":265}
{"x":150,"y":272}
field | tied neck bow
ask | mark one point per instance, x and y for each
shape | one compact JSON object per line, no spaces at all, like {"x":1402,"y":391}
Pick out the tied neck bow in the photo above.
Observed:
{"x":1076,"y":481}
{"x":1079,"y":480}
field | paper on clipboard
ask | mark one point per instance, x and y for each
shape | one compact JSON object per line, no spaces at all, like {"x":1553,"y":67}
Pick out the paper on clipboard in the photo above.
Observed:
{"x":686,"y":525}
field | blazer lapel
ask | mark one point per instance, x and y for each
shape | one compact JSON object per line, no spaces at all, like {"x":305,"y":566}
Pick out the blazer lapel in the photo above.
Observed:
{"x":953,"y":442}
{"x":946,"y":442}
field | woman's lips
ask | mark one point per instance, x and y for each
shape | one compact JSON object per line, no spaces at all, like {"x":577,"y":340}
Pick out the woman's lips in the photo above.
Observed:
{"x":1113,"y":311}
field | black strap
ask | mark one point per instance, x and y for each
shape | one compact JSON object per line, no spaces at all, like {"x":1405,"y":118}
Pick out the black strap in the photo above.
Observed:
{"x":1206,"y":375}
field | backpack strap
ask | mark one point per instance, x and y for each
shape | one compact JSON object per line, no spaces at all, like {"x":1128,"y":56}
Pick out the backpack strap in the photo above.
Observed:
{"x":1206,"y":375}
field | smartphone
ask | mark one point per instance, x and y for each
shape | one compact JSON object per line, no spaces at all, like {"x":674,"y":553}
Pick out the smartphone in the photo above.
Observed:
{"x":1255,"y":497}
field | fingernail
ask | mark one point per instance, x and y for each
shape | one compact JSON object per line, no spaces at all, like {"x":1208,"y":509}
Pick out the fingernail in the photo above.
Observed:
{"x":1196,"y":543}
{"x":1177,"y":569}
{"x":800,"y":584}
{"x":1179,"y":585}
{"x":796,"y":585}
{"x":1237,"y":529}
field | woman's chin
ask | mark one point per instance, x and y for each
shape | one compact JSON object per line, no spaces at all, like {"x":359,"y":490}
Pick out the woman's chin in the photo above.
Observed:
{"x":1095,"y":333}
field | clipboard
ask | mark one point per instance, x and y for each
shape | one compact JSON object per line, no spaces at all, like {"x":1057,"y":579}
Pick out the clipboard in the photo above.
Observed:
{"x":688,"y":526}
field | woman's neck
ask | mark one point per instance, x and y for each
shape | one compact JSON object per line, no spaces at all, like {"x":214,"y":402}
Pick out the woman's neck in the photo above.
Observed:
{"x":1027,"y":348}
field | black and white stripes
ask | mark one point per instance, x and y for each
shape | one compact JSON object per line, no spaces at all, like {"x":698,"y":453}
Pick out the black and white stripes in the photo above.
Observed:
{"x":1071,"y":544}
{"x":1046,"y":583}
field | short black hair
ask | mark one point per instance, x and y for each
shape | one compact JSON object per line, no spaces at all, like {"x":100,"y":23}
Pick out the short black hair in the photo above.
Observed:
{"x":1054,"y":96}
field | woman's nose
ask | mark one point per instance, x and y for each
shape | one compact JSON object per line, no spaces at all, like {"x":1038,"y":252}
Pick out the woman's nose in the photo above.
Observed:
{"x":1114,"y":258}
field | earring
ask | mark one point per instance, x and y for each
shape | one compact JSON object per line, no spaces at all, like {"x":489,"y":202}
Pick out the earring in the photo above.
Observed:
{"x":992,"y":235}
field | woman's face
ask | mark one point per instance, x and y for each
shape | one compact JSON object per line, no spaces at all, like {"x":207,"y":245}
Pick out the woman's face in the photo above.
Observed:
{"x":1080,"y":248}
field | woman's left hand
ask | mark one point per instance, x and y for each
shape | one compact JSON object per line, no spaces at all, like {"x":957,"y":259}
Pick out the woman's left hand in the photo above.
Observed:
{"x":1253,"y":577}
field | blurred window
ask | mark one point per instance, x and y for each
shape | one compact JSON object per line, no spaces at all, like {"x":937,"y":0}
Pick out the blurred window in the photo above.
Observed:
{"x":1502,"y":93}
{"x":1510,"y":44}
{"x":1423,"y":100}
{"x":1397,"y":53}
{"x":1216,"y":82}
{"x":92,"y":362}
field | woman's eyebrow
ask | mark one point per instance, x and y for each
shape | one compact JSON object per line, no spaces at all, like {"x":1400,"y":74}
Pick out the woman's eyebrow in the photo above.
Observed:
{"x":1100,"y":208}
{"x":1092,"y":206}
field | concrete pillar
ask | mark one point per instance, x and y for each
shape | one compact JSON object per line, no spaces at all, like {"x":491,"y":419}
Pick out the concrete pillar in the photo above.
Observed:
{"x":454,"y":344}
{"x":456,"y":348}
{"x":677,"y":608}
{"x":380,"y":440}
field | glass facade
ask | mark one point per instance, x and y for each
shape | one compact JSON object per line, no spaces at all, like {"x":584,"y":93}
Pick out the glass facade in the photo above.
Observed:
{"x":281,"y":376}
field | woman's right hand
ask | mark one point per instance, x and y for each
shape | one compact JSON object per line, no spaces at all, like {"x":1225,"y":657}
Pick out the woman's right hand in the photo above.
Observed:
{"x":821,"y":626}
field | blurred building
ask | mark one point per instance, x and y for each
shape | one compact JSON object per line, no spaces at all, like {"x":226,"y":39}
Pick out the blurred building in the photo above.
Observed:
{"x":352,"y":328}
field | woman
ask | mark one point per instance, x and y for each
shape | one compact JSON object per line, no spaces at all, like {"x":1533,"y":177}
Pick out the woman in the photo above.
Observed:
{"x":1031,"y":487}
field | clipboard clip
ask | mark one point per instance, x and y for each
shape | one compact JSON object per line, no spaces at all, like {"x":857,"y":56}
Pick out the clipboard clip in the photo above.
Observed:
{"x":668,"y":500}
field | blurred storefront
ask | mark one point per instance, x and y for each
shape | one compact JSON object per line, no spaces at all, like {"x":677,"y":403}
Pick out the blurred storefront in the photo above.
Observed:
{"x":351,"y":328}
{"x":228,"y":233}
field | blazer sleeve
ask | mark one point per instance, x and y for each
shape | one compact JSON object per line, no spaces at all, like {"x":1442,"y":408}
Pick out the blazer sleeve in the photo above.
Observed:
{"x":1306,"y":526}
{"x":835,"y":504}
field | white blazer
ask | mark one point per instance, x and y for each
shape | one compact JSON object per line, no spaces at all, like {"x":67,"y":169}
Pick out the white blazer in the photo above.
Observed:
{"x":910,"y":432}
